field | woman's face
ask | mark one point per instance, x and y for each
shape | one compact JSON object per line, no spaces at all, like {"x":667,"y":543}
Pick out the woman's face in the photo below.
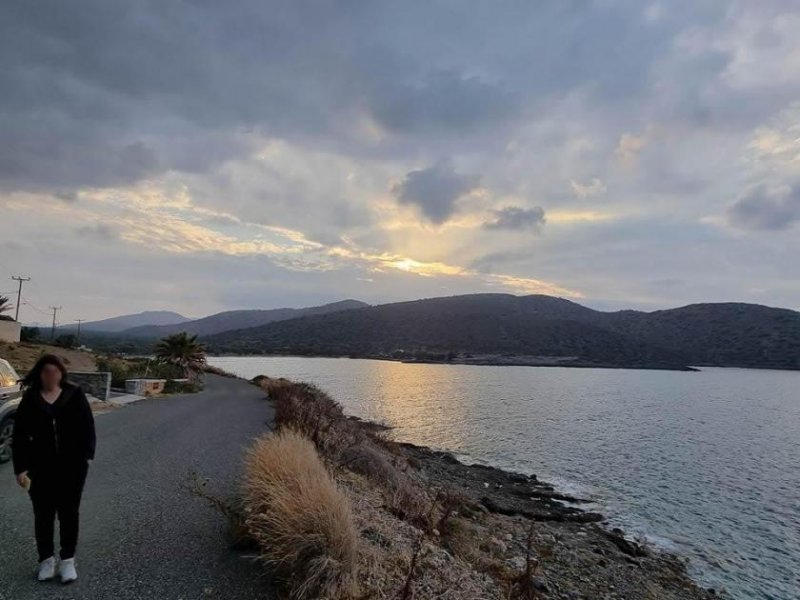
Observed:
{"x":51,"y":376}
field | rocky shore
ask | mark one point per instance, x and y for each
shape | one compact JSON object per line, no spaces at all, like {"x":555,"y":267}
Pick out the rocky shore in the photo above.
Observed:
{"x":576,"y":555}
{"x":433,"y":527}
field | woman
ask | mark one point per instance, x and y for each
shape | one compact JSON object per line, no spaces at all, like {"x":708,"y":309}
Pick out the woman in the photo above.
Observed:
{"x":52,"y":446}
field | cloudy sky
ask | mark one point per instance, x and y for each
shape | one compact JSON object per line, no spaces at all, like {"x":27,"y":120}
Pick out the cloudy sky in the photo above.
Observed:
{"x":201,"y":156}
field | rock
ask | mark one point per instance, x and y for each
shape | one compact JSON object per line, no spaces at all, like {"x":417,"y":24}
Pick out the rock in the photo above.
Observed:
{"x":625,"y":546}
{"x":539,"y":583}
{"x":376,"y":537}
{"x":518,"y":563}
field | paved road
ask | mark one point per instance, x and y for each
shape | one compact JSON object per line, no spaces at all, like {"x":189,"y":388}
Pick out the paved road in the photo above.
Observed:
{"x":142,"y":535}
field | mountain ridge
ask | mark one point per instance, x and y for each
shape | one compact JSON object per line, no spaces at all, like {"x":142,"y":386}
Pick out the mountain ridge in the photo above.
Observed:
{"x":234,"y":319}
{"x":710,"y":334}
{"x":120,"y":323}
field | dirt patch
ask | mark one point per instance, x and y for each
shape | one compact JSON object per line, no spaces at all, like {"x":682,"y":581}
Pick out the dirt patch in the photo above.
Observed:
{"x":24,"y":355}
{"x":100,"y":407}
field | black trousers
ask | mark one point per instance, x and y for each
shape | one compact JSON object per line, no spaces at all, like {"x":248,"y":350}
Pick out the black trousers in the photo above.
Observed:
{"x":56,"y":490}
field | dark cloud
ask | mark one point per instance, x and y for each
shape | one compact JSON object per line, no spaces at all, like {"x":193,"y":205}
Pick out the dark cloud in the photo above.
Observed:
{"x":120,"y":91}
{"x":765,"y":207}
{"x":441,"y":101}
{"x":66,"y":195}
{"x":516,"y":217}
{"x":98,"y":231}
{"x":435,"y":190}
{"x":498,"y":261}
{"x":295,"y":114}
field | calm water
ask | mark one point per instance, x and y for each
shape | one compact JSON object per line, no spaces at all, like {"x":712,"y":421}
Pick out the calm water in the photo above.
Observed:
{"x":705,"y":464}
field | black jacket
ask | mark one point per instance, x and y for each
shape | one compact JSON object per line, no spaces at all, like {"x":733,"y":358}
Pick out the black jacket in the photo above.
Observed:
{"x":63,"y":431}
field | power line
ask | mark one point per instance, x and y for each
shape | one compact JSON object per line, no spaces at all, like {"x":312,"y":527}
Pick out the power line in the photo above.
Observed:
{"x":34,"y":307}
{"x":55,"y":309}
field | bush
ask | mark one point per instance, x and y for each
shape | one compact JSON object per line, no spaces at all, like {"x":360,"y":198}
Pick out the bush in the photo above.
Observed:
{"x":181,"y":387}
{"x":67,"y":340}
{"x":29,"y":334}
{"x":120,"y":369}
{"x":312,"y":412}
{"x":136,"y":368}
{"x":302,"y":522}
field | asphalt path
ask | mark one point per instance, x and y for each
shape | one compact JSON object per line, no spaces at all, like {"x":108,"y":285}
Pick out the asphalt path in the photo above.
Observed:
{"x":142,"y":534}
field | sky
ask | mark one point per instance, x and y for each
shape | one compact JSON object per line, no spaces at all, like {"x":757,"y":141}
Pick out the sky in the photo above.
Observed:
{"x":200,"y":156}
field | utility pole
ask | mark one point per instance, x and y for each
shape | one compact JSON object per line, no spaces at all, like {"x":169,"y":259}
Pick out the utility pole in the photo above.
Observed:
{"x":78,"y":340}
{"x":53,"y":330}
{"x":19,"y":292}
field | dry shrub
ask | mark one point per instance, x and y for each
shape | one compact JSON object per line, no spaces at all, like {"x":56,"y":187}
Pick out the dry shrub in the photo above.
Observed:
{"x":301,"y":520}
{"x":389,"y":545}
{"x":365,"y":459}
{"x":408,"y":501}
{"x":307,"y":409}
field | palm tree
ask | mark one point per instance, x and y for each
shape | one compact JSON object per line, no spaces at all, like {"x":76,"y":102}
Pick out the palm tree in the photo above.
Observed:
{"x":5,"y":304}
{"x":183,"y":350}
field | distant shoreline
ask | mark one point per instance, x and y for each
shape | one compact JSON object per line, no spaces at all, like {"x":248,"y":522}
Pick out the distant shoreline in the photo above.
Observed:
{"x":483,"y":360}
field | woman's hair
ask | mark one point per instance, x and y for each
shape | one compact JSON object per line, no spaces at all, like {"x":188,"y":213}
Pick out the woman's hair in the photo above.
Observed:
{"x":34,"y":377}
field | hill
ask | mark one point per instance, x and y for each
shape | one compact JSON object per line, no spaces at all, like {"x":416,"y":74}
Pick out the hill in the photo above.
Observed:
{"x":238,"y":319}
{"x":724,"y":334}
{"x":23,"y":355}
{"x":505,"y":329}
{"x":121,"y":323}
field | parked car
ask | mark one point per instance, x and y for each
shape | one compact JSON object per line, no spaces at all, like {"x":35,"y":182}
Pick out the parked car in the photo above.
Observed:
{"x":9,"y":400}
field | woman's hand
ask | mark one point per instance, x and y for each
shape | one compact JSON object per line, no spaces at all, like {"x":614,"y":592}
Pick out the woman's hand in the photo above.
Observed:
{"x":23,"y":480}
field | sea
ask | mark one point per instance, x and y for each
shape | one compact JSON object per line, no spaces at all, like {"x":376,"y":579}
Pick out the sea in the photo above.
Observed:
{"x":703,"y":464}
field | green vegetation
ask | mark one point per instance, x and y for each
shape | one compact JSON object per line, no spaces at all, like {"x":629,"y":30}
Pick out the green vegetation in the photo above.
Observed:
{"x":30,"y":334}
{"x":181,"y":387}
{"x":136,"y":368}
{"x":5,"y":306}
{"x":442,"y":329}
{"x":67,"y":340}
{"x":184,"y":351}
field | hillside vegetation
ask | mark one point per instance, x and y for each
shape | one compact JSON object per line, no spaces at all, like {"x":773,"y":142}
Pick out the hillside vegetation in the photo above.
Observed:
{"x":457,"y":327}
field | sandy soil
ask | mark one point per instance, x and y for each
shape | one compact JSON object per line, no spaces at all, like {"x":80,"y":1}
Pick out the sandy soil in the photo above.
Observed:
{"x":23,"y":355}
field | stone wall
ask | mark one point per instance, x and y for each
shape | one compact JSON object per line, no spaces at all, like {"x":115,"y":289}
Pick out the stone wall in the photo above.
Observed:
{"x":96,"y":384}
{"x":10,"y":330}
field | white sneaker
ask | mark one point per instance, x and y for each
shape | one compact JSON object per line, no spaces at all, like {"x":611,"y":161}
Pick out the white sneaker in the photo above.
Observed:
{"x":47,"y":569}
{"x":66,"y":570}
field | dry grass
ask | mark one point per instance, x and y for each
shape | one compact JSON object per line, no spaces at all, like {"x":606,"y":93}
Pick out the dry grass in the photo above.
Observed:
{"x":301,"y":520}
{"x":391,"y":546}
{"x":23,"y":356}
{"x":350,"y":446}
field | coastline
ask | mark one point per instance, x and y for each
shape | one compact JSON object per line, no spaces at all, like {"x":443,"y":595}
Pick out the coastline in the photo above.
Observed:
{"x":489,"y":360}
{"x":584,"y":536}
{"x":497,"y":530}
